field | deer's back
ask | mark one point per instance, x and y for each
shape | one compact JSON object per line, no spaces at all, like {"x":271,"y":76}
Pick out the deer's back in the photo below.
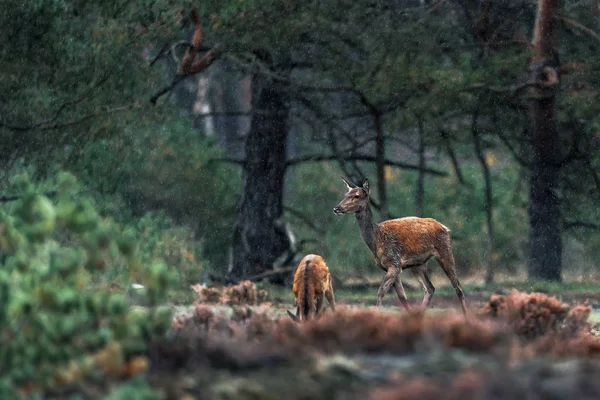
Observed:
{"x":318,"y":274}
{"x":413,"y":234}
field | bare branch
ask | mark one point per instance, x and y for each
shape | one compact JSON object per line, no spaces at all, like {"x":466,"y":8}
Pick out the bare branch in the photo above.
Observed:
{"x":581,"y":27}
{"x":304,"y":219}
{"x":166,"y":89}
{"x":361,"y":157}
{"x":513,"y":151}
{"x":196,"y":68}
{"x":580,"y":224}
{"x":452,"y":155}
{"x":593,"y":171}
{"x":228,"y":160}
{"x":188,"y":66}
{"x":50,"y":122}
{"x":7,"y":198}
{"x":60,"y":125}
{"x":511,"y":90}
{"x":160,"y":53}
{"x":567,"y":68}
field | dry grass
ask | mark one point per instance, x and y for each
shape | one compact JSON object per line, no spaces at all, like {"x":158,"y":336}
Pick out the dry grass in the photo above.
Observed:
{"x":517,"y":341}
{"x":517,"y":323}
{"x":244,"y":292}
{"x":535,"y":314}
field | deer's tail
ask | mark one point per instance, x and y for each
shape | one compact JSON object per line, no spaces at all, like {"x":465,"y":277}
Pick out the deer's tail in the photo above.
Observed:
{"x":306,"y":296}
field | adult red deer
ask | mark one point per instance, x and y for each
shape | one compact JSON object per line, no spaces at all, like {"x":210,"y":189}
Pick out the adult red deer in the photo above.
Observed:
{"x":402,"y":243}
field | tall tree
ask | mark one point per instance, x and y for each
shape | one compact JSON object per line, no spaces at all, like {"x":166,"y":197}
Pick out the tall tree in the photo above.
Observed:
{"x":488,"y":204}
{"x":544,"y":205}
{"x":258,"y":236}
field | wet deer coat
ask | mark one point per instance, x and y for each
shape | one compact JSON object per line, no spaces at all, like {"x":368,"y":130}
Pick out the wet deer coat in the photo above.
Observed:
{"x":312,"y":282}
{"x":402,"y":243}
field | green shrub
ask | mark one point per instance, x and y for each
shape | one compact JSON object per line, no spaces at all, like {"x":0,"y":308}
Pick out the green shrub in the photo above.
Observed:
{"x":160,"y":239}
{"x":55,"y":328}
{"x":167,"y":168}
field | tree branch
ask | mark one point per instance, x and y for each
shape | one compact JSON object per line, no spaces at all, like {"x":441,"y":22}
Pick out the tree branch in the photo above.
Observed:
{"x":361,"y":157}
{"x":581,"y":27}
{"x":304,"y":219}
{"x":452,"y":155}
{"x":7,"y":198}
{"x":588,"y":163}
{"x":196,"y":68}
{"x":580,"y":224}
{"x":50,"y":122}
{"x":60,"y":125}
{"x":513,"y":151}
{"x":188,"y":66}
{"x":160,"y":53}
{"x":228,"y":160}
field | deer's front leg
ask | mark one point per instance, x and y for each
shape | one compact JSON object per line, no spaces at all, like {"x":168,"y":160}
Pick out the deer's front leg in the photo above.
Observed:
{"x":390,"y":278}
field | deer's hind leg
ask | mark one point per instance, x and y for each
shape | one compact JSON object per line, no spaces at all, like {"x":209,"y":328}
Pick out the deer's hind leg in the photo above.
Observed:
{"x":445,"y":258}
{"x":401,"y":293}
{"x":421,"y":275}
{"x":319,"y":303}
{"x":330,"y":296}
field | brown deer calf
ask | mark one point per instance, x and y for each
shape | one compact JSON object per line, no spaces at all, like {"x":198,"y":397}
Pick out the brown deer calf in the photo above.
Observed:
{"x":402,"y":243}
{"x":311,"y":282}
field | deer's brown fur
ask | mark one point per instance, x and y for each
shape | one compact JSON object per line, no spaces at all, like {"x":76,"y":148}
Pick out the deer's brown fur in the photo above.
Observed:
{"x":402,"y":243}
{"x":312,"y":282}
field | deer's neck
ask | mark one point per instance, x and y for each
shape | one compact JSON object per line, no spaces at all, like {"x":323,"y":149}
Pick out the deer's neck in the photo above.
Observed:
{"x":368,"y":228}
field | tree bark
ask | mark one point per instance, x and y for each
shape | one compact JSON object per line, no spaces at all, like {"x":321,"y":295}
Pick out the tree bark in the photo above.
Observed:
{"x":545,"y":240}
{"x":421,"y":177}
{"x":489,"y":207}
{"x":380,"y":157}
{"x":258,"y":238}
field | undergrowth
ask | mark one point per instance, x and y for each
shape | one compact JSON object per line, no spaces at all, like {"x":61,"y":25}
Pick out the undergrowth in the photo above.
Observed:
{"x":56,"y":331}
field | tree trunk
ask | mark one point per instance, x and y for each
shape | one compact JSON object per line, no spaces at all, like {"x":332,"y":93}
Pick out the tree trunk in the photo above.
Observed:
{"x":258,"y":238}
{"x":545,"y":242}
{"x":489,"y":207}
{"x":380,"y":157}
{"x":421,"y":177}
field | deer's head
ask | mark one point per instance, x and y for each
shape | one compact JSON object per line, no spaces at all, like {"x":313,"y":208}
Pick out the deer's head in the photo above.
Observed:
{"x":355,"y":200}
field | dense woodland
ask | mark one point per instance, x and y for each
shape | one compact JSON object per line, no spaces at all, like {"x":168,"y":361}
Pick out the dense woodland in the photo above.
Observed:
{"x":471,"y":112}
{"x":173,"y":143}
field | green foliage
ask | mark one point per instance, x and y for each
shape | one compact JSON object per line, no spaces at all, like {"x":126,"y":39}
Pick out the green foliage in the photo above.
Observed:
{"x":68,"y":65}
{"x":160,"y":239}
{"x":168,"y":168}
{"x":138,"y":389}
{"x":55,"y":326}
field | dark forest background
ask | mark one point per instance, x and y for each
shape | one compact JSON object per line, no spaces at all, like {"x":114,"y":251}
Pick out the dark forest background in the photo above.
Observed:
{"x":217,"y":132}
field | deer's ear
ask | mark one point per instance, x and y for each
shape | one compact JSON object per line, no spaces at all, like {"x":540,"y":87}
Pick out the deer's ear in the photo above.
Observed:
{"x":365,"y":186}
{"x":349,"y":185}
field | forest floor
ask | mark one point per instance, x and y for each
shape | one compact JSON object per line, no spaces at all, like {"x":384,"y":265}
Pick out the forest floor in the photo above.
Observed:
{"x":515,"y":344}
{"x":237,"y":343}
{"x":362,"y":293}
